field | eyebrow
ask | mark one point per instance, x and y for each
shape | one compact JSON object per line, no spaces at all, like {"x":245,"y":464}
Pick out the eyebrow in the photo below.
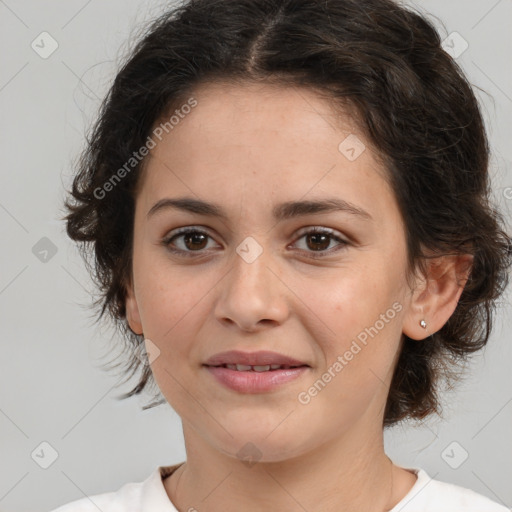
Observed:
{"x":280,"y":212}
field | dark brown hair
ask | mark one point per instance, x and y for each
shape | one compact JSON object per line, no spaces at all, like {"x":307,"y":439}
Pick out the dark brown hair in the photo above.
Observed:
{"x":375,"y":59}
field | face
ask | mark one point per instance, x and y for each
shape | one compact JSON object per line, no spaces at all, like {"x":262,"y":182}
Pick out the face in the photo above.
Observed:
{"x":326,"y":288}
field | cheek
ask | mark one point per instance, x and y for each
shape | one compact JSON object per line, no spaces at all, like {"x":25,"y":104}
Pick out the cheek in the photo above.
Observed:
{"x":170,"y":305}
{"x":166,"y":292}
{"x":353,"y":298}
{"x":163,"y":304}
{"x":363,"y":315}
{"x":174,"y":303}
{"x":359,"y":356}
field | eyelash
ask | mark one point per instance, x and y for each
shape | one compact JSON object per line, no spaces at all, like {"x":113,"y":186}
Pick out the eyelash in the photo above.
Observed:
{"x":314,"y":231}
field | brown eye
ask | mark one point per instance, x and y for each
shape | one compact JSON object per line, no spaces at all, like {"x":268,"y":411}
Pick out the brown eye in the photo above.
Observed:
{"x":194,"y":240}
{"x":318,"y":241}
{"x":189,"y":241}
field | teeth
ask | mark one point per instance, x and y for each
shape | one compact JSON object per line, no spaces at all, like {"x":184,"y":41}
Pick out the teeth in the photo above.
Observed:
{"x":257,"y":368}
{"x":265,"y":368}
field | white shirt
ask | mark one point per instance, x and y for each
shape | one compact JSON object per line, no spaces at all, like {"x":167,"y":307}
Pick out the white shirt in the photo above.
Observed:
{"x":427,"y":495}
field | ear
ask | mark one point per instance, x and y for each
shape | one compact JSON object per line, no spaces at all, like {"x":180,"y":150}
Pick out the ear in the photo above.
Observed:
{"x":436,"y":298}
{"x":132,"y":310}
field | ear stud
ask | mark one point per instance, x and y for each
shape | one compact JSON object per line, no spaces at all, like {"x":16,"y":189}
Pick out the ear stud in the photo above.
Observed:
{"x":423,"y":324}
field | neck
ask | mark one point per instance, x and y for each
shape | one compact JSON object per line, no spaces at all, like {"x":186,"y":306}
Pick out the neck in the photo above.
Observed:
{"x":348,"y":473}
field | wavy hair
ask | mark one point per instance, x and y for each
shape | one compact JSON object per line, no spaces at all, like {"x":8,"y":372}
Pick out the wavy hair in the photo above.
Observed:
{"x":375,"y":59}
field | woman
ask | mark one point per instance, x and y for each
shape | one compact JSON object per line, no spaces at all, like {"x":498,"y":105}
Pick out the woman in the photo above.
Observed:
{"x":288,"y":203}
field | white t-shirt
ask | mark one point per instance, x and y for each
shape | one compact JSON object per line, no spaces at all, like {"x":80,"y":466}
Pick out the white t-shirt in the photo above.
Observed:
{"x":427,"y":495}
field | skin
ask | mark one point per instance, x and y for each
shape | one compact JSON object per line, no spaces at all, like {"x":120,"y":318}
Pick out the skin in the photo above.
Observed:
{"x":248,"y":148}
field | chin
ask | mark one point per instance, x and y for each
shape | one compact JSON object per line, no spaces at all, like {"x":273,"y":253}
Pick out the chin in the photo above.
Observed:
{"x":253,"y":447}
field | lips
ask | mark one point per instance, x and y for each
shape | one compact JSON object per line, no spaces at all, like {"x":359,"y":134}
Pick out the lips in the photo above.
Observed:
{"x":253,"y":382}
{"x":257,"y":360}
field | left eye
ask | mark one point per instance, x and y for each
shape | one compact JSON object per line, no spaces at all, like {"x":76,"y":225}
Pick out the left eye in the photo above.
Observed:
{"x":319,"y":239}
{"x":194,"y":240}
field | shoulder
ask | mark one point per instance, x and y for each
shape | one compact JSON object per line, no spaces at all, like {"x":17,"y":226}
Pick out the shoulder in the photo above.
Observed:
{"x":131,"y":497}
{"x":430,"y":495}
{"x":444,"y":493}
{"x":126,"y":499}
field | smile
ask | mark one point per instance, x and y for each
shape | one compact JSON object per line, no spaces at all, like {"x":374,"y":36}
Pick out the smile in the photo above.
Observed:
{"x":257,"y":368}
{"x":255,"y":379}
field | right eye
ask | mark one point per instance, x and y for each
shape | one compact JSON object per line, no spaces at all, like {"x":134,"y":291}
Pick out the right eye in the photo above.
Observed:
{"x":193,"y":241}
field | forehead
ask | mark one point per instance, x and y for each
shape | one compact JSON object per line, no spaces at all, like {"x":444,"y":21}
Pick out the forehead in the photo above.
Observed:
{"x":260,"y":144}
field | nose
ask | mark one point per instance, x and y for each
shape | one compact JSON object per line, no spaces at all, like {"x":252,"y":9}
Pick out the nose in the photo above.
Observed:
{"x":252,"y":294}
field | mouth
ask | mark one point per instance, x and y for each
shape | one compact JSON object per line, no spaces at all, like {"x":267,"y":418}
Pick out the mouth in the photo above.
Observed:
{"x":255,"y":372}
{"x":257,"y":368}
{"x":261,"y":361}
{"x":249,"y":379}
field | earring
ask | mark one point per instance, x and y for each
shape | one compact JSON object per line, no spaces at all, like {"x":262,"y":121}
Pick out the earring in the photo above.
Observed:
{"x":423,"y":324}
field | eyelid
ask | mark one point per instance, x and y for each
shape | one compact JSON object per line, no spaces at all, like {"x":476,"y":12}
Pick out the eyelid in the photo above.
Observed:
{"x":343,"y":243}
{"x":303,"y":231}
{"x":321,"y":229}
{"x":307,"y":230}
{"x":166,"y":240}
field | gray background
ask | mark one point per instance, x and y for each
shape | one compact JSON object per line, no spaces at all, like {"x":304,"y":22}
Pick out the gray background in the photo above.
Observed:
{"x":52,"y":387}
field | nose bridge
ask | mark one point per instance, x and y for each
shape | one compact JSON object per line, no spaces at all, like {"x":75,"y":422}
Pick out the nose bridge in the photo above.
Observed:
{"x":250,"y":268}
{"x":251,"y":290}
{"x":253,"y":257}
